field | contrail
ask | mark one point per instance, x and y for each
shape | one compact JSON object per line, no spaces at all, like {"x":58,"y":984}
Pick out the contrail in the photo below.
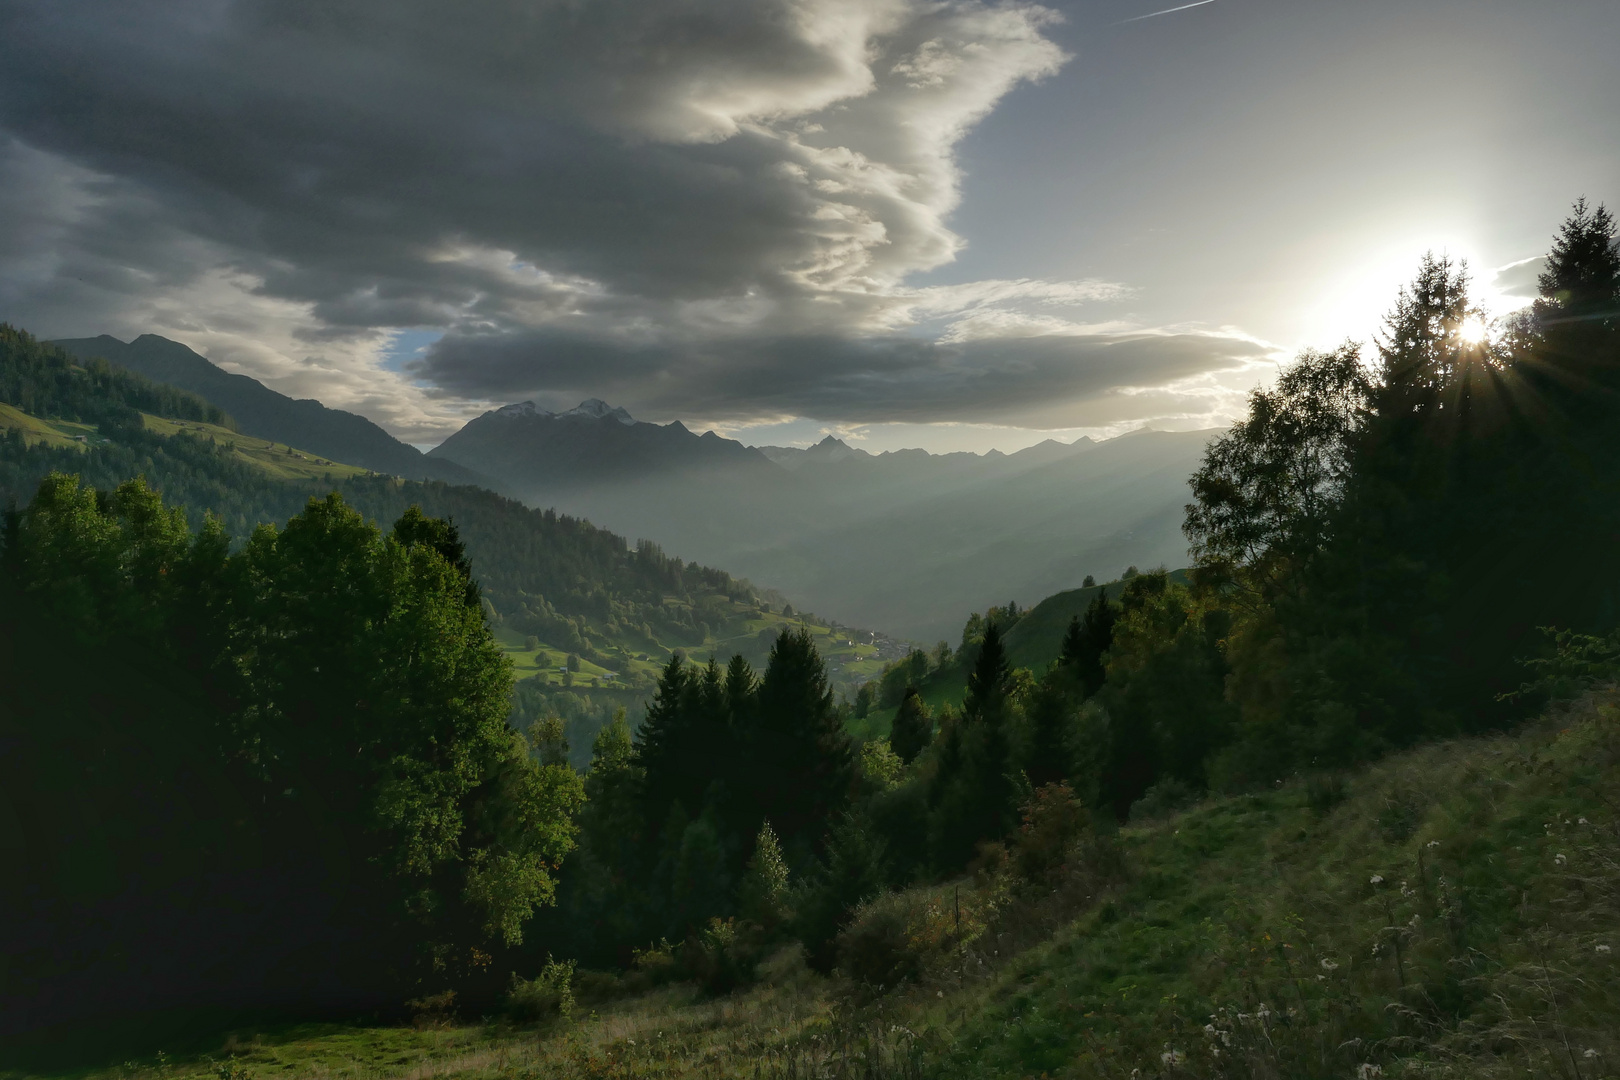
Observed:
{"x":1166,"y":11}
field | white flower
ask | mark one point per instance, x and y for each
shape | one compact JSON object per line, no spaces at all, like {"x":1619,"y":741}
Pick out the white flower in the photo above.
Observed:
{"x":1433,"y":844}
{"x":1604,"y":950}
{"x":1590,"y":1054}
{"x":1329,"y":965}
{"x":1559,"y":859}
{"x":1376,"y":879}
{"x":1582,"y":821}
{"x":1172,"y":1058}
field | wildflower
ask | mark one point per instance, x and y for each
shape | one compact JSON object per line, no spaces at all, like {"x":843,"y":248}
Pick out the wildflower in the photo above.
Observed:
{"x":1590,"y":1054}
{"x":1559,"y":859}
{"x":1604,"y":950}
{"x":1583,"y":821}
{"x":1329,"y":965}
{"x":1432,"y":844}
{"x":1172,"y":1058}
{"x":1377,"y":879}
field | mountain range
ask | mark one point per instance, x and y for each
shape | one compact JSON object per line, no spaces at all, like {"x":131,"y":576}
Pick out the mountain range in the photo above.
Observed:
{"x":904,"y":539}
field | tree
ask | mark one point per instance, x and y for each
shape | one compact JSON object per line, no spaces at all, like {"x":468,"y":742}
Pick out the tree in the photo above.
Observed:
{"x":1582,"y":278}
{"x":1087,"y":643}
{"x":987,"y":682}
{"x":864,"y":697}
{"x":765,"y":885}
{"x":853,"y":871}
{"x":804,"y":764}
{"x":913,"y":727}
{"x":309,"y":746}
{"x":1265,"y":493}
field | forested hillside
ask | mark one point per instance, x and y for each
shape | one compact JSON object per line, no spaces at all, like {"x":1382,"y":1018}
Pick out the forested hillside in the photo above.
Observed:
{"x":331,"y":433}
{"x":571,"y":587}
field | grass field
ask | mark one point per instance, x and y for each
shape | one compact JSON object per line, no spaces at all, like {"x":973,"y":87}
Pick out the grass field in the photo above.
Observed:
{"x":278,"y":459}
{"x":1453,"y":911}
{"x":35,"y":431}
{"x":743,"y":629}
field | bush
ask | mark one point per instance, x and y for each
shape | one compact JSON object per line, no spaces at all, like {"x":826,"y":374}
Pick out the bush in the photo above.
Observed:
{"x":721,"y":956}
{"x":877,"y":948}
{"x":1324,"y":791}
{"x":1054,"y":823}
{"x":551,"y":993}
{"x":1168,"y":796}
{"x":433,"y":1010}
{"x":901,"y":937}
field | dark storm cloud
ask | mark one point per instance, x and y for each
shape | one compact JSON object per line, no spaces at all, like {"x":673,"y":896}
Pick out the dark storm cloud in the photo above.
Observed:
{"x":1037,"y":379}
{"x":690,"y":206}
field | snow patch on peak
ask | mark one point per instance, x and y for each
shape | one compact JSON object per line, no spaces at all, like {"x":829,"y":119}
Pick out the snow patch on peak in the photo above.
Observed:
{"x":522,"y":408}
{"x":597,"y":409}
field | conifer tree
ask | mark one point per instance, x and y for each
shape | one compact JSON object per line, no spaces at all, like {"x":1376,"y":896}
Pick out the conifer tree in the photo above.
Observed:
{"x":1095,"y":637}
{"x":987,"y":682}
{"x":804,"y":764}
{"x":913,"y":727}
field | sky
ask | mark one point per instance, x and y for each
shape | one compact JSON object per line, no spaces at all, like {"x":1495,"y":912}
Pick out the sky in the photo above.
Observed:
{"x":951,"y":224}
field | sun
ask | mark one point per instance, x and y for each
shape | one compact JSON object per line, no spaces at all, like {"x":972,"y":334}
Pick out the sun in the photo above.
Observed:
{"x":1473,"y":330}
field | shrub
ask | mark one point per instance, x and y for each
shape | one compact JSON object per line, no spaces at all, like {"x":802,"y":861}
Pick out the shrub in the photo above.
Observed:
{"x":1167,"y":797}
{"x":551,"y":993}
{"x":877,"y":948}
{"x":433,"y":1010}
{"x":906,"y":936}
{"x":1324,"y":791}
{"x":721,"y":956}
{"x":1054,"y":824}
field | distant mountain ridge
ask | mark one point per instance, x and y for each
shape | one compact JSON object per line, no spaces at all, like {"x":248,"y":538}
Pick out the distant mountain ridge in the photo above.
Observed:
{"x":527,"y":447}
{"x":903,"y":539}
{"x":267,"y":414}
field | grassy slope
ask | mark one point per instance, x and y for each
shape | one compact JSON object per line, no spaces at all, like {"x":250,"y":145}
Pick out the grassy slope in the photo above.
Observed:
{"x":849,"y":662}
{"x":35,"y":431}
{"x":278,"y":460}
{"x":1456,"y":914}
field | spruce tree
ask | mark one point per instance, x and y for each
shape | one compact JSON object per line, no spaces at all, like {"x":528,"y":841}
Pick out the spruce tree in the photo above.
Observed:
{"x":1095,"y":638}
{"x":987,"y":682}
{"x":804,"y":764}
{"x":913,"y":727}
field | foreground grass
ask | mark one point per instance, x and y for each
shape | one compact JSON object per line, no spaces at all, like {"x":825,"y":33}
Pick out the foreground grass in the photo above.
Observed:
{"x":1452,"y":911}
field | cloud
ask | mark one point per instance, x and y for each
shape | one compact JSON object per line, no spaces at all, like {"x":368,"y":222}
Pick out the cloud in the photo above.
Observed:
{"x":1058,"y":380}
{"x":699,"y":207}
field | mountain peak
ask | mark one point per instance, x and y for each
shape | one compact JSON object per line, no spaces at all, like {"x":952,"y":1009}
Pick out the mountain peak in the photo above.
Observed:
{"x":597,"y":409}
{"x":589,"y":409}
{"x":522,"y":408}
